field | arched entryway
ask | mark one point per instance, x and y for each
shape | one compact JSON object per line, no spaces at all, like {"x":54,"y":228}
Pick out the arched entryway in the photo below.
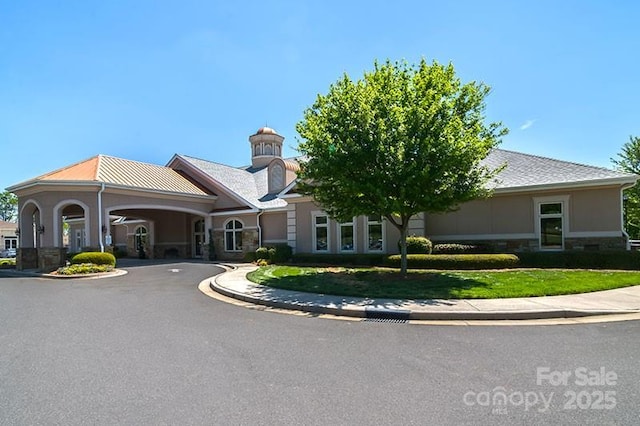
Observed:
{"x":157,"y":232}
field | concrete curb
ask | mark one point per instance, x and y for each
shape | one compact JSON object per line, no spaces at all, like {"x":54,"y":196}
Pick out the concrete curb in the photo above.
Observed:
{"x":17,"y":274}
{"x":404,"y":314}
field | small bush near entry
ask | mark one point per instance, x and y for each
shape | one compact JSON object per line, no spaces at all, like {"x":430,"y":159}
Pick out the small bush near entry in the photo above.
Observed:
{"x":249,"y":257}
{"x":455,"y":261}
{"x":94,"y":257}
{"x":84,"y":268}
{"x":418,"y":245}
{"x":262,"y":253}
{"x":7,"y":263}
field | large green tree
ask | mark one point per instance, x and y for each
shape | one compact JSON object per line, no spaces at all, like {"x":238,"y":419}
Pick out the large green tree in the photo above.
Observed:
{"x":628,"y":161}
{"x":8,"y":206}
{"x":402,"y":140}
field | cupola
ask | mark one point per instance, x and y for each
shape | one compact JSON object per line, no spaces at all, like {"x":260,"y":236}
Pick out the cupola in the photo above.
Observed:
{"x":266,"y":145}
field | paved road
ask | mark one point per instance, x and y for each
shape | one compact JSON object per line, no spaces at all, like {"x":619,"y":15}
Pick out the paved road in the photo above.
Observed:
{"x":148,"y":348}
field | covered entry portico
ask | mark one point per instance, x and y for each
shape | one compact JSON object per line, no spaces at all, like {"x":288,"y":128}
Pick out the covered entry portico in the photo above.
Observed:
{"x":107,"y":204}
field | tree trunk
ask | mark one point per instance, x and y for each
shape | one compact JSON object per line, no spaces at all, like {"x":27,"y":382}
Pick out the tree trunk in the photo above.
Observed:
{"x":403,"y":248}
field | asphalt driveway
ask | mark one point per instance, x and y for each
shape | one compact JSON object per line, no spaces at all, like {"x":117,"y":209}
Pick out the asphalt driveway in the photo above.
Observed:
{"x":148,"y":348}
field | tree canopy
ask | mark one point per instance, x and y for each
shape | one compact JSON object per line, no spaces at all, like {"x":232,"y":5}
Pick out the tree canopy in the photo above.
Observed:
{"x":402,"y":140}
{"x":8,"y":206}
{"x":628,"y":161}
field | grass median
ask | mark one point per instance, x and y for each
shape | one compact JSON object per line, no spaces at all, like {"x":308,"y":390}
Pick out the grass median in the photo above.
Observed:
{"x":421,"y":284}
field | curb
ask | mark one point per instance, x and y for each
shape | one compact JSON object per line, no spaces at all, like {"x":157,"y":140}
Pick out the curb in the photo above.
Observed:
{"x":403,"y":314}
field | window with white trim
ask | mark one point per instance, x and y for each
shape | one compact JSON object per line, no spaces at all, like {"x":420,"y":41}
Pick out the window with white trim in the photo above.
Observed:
{"x":10,"y":242}
{"x":551,"y":225}
{"x":140,"y":238}
{"x":347,"y":236}
{"x":233,"y":236}
{"x":375,"y":234}
{"x":320,"y":233}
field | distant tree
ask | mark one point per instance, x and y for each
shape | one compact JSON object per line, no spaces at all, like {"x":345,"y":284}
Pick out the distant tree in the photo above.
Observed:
{"x":404,"y":139}
{"x":629,"y":161}
{"x":8,"y":206}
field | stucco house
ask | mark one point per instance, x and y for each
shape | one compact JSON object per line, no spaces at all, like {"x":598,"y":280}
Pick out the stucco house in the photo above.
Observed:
{"x":8,"y":237}
{"x":193,"y":208}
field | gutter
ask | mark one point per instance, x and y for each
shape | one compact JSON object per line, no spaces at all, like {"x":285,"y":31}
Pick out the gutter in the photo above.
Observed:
{"x":102,"y":188}
{"x":567,"y":185}
{"x":260,"y":212}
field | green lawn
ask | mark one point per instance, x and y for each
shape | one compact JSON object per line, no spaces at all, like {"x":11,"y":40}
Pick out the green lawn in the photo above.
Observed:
{"x":388,"y":283}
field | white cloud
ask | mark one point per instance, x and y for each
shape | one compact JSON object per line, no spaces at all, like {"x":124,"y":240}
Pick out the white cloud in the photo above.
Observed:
{"x":527,"y":124}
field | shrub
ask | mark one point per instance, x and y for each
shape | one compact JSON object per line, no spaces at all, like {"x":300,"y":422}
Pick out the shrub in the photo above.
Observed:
{"x":262,"y":262}
{"x":262,"y":253}
{"x":280,"y":253}
{"x":249,"y":257}
{"x":277,"y":253}
{"x":455,"y":261}
{"x":84,"y":268}
{"x":628,"y":260}
{"x":94,"y":257}
{"x":7,"y":263}
{"x":418,"y":245}
{"x":452,"y":248}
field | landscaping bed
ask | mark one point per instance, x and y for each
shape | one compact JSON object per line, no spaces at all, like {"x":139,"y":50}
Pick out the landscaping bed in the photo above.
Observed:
{"x":375,"y":282}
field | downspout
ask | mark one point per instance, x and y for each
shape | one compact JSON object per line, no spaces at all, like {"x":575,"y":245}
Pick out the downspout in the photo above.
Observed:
{"x":259,"y":228}
{"x":100,"y":217}
{"x":624,"y":232}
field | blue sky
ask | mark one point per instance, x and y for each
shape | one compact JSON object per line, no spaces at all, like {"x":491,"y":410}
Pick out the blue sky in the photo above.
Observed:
{"x":144,"y":80}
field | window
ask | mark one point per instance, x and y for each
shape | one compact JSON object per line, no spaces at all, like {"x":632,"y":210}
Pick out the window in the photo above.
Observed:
{"x":550,"y":216}
{"x":375,"y":236}
{"x":346,"y":236}
{"x":233,"y":236}
{"x":198,"y":237}
{"x":140,"y":238}
{"x":320,"y":233}
{"x":10,"y":242}
{"x":277,"y":178}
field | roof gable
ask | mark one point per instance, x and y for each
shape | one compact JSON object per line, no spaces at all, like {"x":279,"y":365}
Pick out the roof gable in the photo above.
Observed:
{"x":249,"y":185}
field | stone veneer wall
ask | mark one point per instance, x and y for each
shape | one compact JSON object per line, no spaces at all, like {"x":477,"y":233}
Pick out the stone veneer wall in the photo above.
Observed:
{"x":27,"y":258}
{"x":250,"y":242}
{"x":51,"y":258}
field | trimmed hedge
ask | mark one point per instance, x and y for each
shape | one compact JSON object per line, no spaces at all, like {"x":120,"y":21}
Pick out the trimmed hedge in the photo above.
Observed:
{"x":280,"y":253}
{"x":339,"y":259}
{"x":95,"y":257}
{"x":455,"y":261}
{"x":626,"y":260}
{"x":453,"y":248}
{"x":418,"y":245}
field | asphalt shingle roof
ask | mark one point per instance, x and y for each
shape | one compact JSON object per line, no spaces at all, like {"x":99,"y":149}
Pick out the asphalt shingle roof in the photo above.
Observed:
{"x":525,"y":170}
{"x":248,"y":183}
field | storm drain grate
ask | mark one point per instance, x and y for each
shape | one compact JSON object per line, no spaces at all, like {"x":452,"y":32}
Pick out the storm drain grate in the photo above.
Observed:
{"x":396,"y":316}
{"x":388,"y":320}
